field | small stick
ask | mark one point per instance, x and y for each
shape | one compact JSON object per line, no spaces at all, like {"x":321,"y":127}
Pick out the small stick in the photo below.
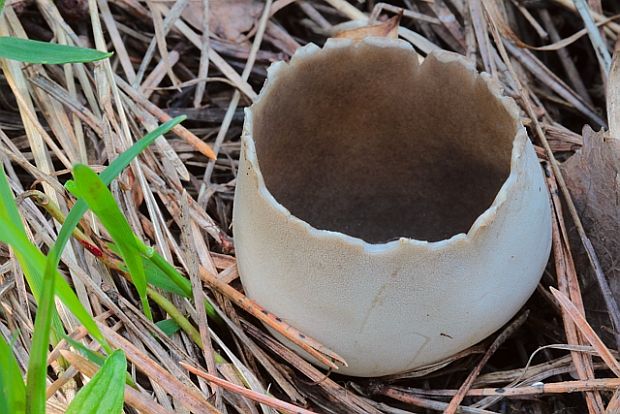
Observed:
{"x":203,"y":65}
{"x":598,"y":43}
{"x":613,"y":94}
{"x":587,"y":331}
{"x":565,"y":387}
{"x":417,"y":401}
{"x":181,"y":131}
{"x":569,"y":285}
{"x":253,"y":395}
{"x":453,"y":407}
{"x":308,"y":344}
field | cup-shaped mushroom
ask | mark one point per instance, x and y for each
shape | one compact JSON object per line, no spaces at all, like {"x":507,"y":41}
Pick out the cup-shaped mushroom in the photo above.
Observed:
{"x":394,"y":211}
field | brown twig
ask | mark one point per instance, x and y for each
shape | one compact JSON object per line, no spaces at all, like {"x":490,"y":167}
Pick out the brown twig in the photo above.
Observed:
{"x":313,"y":347}
{"x":261,"y":398}
{"x":501,"y":338}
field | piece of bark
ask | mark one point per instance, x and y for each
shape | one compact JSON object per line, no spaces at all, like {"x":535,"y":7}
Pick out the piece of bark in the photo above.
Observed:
{"x":593,"y":178}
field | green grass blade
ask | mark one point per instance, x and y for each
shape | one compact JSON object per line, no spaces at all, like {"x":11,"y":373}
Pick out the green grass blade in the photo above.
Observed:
{"x":157,"y":277}
{"x":8,"y":209}
{"x":168,"y":326}
{"x":109,"y":174}
{"x":37,"y":363}
{"x":33,"y":261}
{"x":34,"y":51}
{"x":172,"y":273}
{"x":182,"y":282}
{"x":123,"y":160}
{"x":165,"y":276}
{"x":105,"y":392}
{"x":94,"y":357}
{"x":42,"y":274}
{"x":87,"y":185}
{"x":12,"y":388}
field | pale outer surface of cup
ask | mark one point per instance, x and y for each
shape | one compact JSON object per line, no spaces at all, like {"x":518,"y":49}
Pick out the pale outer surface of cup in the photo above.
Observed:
{"x":391,"y":307}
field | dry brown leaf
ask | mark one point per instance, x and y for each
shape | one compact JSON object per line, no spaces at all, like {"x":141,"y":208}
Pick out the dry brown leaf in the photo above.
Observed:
{"x":388,"y":28}
{"x":228,"y":19}
{"x":593,"y":177}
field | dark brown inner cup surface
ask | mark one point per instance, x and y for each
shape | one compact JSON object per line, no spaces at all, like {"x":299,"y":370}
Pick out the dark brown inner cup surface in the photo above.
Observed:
{"x":361,"y":141}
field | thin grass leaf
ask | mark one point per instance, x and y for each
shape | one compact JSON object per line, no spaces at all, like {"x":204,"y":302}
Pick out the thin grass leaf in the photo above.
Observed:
{"x":168,"y":326}
{"x":123,"y":160}
{"x":104,"y":394}
{"x":94,"y":357}
{"x":33,"y":261}
{"x":182,"y":282}
{"x":87,"y":185}
{"x":162,"y":274}
{"x":35,"y":265}
{"x":37,"y":363}
{"x":157,"y":277}
{"x":73,"y":218}
{"x":12,"y":387}
{"x":91,"y":355}
{"x":34,"y":51}
{"x":109,"y":174}
{"x":177,"y":278}
{"x":8,"y":209}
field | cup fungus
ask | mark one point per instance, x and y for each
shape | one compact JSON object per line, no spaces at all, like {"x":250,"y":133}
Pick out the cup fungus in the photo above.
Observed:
{"x":396,"y":212}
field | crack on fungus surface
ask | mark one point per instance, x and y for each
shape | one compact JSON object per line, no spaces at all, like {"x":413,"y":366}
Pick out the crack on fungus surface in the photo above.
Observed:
{"x":365,"y":142}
